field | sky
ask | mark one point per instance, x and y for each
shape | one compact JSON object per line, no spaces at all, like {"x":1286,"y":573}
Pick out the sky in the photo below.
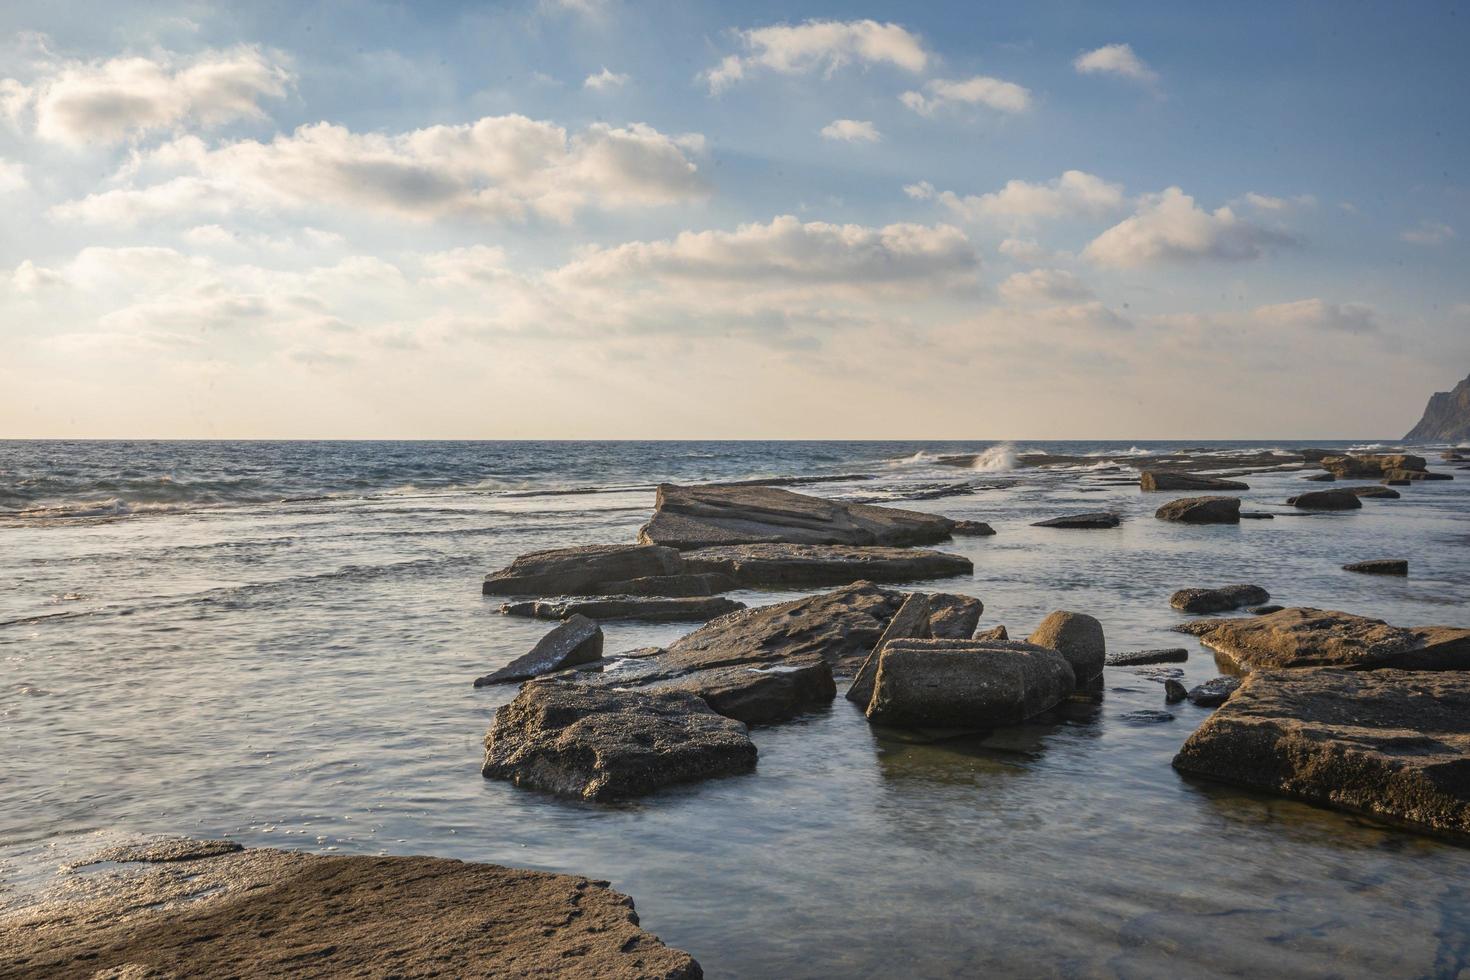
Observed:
{"x":602,"y":219}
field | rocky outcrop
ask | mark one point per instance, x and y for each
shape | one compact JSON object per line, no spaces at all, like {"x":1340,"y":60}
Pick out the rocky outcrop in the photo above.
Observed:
{"x":971,"y":529}
{"x":966,"y":683}
{"x":1391,"y":744}
{"x":1140,"y":658}
{"x":1156,"y":480}
{"x":271,"y":913}
{"x":1096,"y":520}
{"x":1212,"y":694}
{"x":651,"y":609}
{"x":598,"y":569}
{"x":1379,"y":566}
{"x":1374,"y":492}
{"x":1320,"y":478}
{"x":1201,"y":510}
{"x":994,"y":633}
{"x":1370,"y":466}
{"x":911,"y":622}
{"x":577,"y":641}
{"x":1325,"y":500}
{"x":699,"y":517}
{"x":1078,"y":638}
{"x":1306,"y":637}
{"x":954,"y":617}
{"x":1218,"y":600}
{"x":601,"y":744}
{"x":1405,"y":477}
{"x":808,"y":565}
{"x":1446,"y":417}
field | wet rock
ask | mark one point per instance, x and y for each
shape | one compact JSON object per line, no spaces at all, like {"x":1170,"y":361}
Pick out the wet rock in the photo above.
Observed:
{"x":1380,"y":566}
{"x":600,"y":569}
{"x":1201,"y":510}
{"x":1393,"y":482}
{"x":270,"y":913}
{"x":1374,"y":492}
{"x":683,"y":585}
{"x":1256,"y":515}
{"x":992,"y":634}
{"x":653,"y":609}
{"x":760,"y":565}
{"x":1154,"y":480}
{"x":966,"y":683}
{"x":1326,"y":500}
{"x":1146,"y":716}
{"x":1174,"y":692}
{"x":703,"y":516}
{"x":1264,"y":610}
{"x":1361,"y":466}
{"x":1218,"y":600}
{"x":1320,"y":478}
{"x":601,"y":744}
{"x":911,"y":622}
{"x":954,"y":617}
{"x":1078,"y":638}
{"x":1212,"y":694}
{"x":1389,"y":743}
{"x":164,"y":851}
{"x":972,"y":529}
{"x":1307,"y":637}
{"x":1097,"y":520}
{"x":1137,"y":658}
{"x":1408,"y":476}
{"x":576,"y":641}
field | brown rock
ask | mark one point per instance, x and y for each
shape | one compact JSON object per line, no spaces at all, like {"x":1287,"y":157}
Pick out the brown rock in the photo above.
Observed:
{"x":954,"y":617}
{"x":972,"y":529}
{"x":1370,"y":465}
{"x":1218,"y":600}
{"x":1326,"y":500}
{"x":1078,"y":638}
{"x":966,"y":684}
{"x":1201,"y":510}
{"x":992,"y":634}
{"x":1152,"y":481}
{"x":757,"y":565}
{"x":599,"y":569}
{"x":910,"y":623}
{"x":1306,"y":637}
{"x":576,"y":641}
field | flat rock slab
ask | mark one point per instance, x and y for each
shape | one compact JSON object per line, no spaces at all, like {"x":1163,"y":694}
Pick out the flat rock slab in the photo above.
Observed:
{"x":1094,"y":521}
{"x":1379,"y":566}
{"x":602,"y":744}
{"x":271,"y":913}
{"x":1139,"y":658}
{"x":698,"y":517}
{"x":576,"y":641}
{"x":653,"y":609}
{"x":1306,"y":637}
{"x":1369,"y":465}
{"x":971,"y":529}
{"x":911,"y":622}
{"x":1374,"y":492}
{"x":1225,"y":598}
{"x":763,"y":565}
{"x":954,"y":617}
{"x":1155,"y":480}
{"x":1326,"y":500}
{"x":597,"y":569}
{"x":966,"y":683}
{"x":1201,"y":510}
{"x":1388,"y":743}
{"x":1213,"y":693}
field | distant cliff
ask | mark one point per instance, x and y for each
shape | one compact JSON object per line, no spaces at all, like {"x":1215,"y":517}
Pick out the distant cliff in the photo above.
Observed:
{"x":1446,"y":417}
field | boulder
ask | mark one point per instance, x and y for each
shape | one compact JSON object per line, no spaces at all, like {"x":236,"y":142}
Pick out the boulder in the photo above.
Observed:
{"x":270,"y":913}
{"x":1374,"y":492}
{"x":576,"y":641}
{"x":971,"y":529}
{"x":759,"y":565}
{"x":1326,"y":500}
{"x":1388,"y":743}
{"x":1212,"y":694}
{"x":702,"y":516}
{"x":954,"y":617}
{"x":1218,"y":600}
{"x":653,"y":609}
{"x":1379,"y":566}
{"x":1174,"y":692}
{"x":1307,"y":637}
{"x":602,"y":744}
{"x":1155,"y":480}
{"x":1098,"y":520}
{"x":994,"y":633}
{"x":911,"y":622}
{"x":966,"y":683}
{"x":599,"y":569}
{"x":1078,"y":638}
{"x":1201,"y":510}
{"x":1140,"y":658}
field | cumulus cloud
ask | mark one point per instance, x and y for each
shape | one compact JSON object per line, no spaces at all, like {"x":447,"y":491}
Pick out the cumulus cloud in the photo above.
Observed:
{"x":1318,"y":314}
{"x":79,"y":102}
{"x":818,"y":45}
{"x":1428,"y":233}
{"x":993,"y":93}
{"x":1028,"y":251}
{"x":1044,"y":286}
{"x":1074,"y":194}
{"x":605,"y":79}
{"x":30,"y":278}
{"x":921,"y":191}
{"x":1115,"y":59}
{"x":497,"y":168}
{"x":851,"y":131}
{"x":1170,"y":226}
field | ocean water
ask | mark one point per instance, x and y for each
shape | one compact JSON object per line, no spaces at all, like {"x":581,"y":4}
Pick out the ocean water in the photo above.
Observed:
{"x":275,"y":642}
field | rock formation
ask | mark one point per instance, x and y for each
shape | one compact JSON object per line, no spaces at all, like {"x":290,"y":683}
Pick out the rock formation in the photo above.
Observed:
{"x":1446,"y":417}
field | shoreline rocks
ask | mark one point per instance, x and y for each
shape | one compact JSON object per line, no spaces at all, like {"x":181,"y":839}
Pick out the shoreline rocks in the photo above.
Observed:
{"x":648,"y":609}
{"x":1098,"y":520}
{"x":1359,"y":466}
{"x":1078,"y":637}
{"x":759,"y":565}
{"x":1213,"y":693}
{"x":1375,"y":492}
{"x":966,"y":683}
{"x":1201,"y":510}
{"x":1141,"y":658}
{"x":1379,"y":566}
{"x":575,"y":642}
{"x":1225,"y":598}
{"x":597,"y":569}
{"x":1306,"y":637}
{"x":1152,"y":481}
{"x":1325,"y":500}
{"x":911,"y":622}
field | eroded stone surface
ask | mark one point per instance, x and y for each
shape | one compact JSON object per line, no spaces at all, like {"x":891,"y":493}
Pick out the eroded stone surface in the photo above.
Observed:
{"x":1308,"y":637}
{"x":966,"y":683}
{"x":911,"y":622}
{"x":1201,"y":510}
{"x":576,"y":641}
{"x":652,"y":609}
{"x":763,"y":565}
{"x":1224,"y":598}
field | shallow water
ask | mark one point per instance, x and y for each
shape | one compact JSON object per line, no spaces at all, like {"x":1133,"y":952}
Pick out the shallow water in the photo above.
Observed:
{"x":183,"y":652}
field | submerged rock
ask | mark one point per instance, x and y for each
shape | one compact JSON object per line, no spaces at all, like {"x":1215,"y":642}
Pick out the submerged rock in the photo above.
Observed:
{"x":756,"y":565}
{"x":911,"y":622}
{"x":1379,"y":566}
{"x":1201,"y":510}
{"x":1096,"y":520}
{"x":601,"y":744}
{"x":1078,"y":638}
{"x":1387,"y":743}
{"x":1320,"y":478}
{"x":1212,"y":694}
{"x":576,"y":641}
{"x":1218,"y":600}
{"x":1404,"y":477}
{"x":1307,"y":637}
{"x":954,"y":617}
{"x":966,"y":683}
{"x":698,"y":517}
{"x":1138,"y":658}
{"x":1154,"y":480}
{"x":1264,"y":610}
{"x":1326,"y":500}
{"x":652,"y":609}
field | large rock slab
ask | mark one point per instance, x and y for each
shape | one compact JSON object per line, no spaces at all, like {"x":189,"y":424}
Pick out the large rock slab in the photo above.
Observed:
{"x":602,"y":744}
{"x":1370,"y":465}
{"x":1389,"y":743}
{"x":954,"y":617}
{"x":911,"y":622}
{"x":271,"y":913}
{"x":1218,"y":600}
{"x":650,"y":609}
{"x":698,"y":517}
{"x":576,"y":641}
{"x":1326,"y":500}
{"x":1076,"y":636}
{"x":598,"y":569}
{"x":807,"y":565}
{"x":1155,"y":480}
{"x":966,"y":683}
{"x":1140,"y":658}
{"x":1379,"y":566}
{"x":1201,"y":510}
{"x":1308,"y":637}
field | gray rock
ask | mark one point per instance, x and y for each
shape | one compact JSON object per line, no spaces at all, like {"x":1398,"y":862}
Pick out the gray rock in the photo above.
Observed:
{"x":1307,"y":637}
{"x":1156,"y":480}
{"x":1138,"y":658}
{"x":954,"y":617}
{"x":1388,"y":743}
{"x":757,"y":565}
{"x":653,"y":609}
{"x":992,"y":634}
{"x":1320,"y":478}
{"x":1218,"y":600}
{"x":1201,"y":510}
{"x":1264,"y":610}
{"x":602,"y":744}
{"x":1093,"y":521}
{"x":972,"y":529}
{"x":1212,"y":694}
{"x":1174,"y":692}
{"x":966,"y":684}
{"x":600,"y":569}
{"x":576,"y":641}
{"x":1380,"y":566}
{"x":1369,"y":465}
{"x":1326,"y":500}
{"x":1394,"y":482}
{"x":1375,"y":492}
{"x":1079,"y":639}
{"x":910,"y":623}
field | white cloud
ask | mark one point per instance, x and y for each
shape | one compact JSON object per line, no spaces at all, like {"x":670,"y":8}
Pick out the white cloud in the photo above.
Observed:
{"x":12,"y":177}
{"x":1028,"y":251}
{"x":994,"y":93}
{"x":819,"y":45}
{"x":1170,"y":226}
{"x":29,"y":278}
{"x":922,"y":191}
{"x":1074,"y":194}
{"x":77,"y":102}
{"x":851,"y":131}
{"x":1319,"y":314}
{"x":605,"y":79}
{"x":1428,"y":233}
{"x":1266,"y":202}
{"x":1044,"y":286}
{"x":498,"y":168}
{"x":1115,"y":59}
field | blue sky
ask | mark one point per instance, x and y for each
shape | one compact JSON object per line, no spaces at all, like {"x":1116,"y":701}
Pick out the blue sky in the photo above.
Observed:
{"x":602,"y":219}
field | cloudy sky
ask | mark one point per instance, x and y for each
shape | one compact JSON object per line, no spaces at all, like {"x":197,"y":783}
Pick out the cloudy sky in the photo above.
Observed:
{"x":606,"y":219}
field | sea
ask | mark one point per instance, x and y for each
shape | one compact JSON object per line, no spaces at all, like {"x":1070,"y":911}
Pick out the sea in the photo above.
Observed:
{"x":275,"y":642}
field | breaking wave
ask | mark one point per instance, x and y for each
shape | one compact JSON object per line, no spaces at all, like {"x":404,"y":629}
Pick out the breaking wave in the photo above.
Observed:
{"x":997,"y":459}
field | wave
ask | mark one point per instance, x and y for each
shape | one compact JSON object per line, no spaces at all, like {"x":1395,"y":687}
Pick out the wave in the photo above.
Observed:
{"x":1000,"y":458}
